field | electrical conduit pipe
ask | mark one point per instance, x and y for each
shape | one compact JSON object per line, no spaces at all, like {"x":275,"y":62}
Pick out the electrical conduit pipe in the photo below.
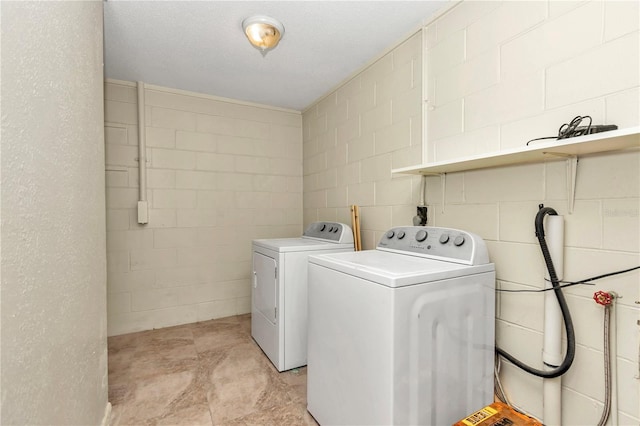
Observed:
{"x":143,"y":205}
{"x":552,"y":340}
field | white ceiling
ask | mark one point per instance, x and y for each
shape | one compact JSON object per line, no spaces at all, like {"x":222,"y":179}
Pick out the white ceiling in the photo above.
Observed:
{"x":199,"y":46}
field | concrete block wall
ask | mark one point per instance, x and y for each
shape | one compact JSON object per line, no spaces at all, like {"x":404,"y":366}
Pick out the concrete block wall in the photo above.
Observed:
{"x":355,"y":135}
{"x":502,"y":73}
{"x":499,"y":74}
{"x":220,"y":174}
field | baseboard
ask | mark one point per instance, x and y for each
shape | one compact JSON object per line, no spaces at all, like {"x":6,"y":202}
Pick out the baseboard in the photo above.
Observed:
{"x":107,"y":415}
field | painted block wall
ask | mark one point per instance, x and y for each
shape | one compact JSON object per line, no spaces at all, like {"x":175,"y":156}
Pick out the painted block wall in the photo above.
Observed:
{"x":220,"y":174}
{"x":499,"y":74}
{"x":53,"y":267}
{"x":502,"y":73}
{"x":355,"y":135}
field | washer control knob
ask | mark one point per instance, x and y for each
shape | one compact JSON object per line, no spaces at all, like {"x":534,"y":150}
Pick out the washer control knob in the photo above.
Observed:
{"x":444,"y":238}
{"x":458,"y":241}
{"x":330,"y":229}
{"x":401,"y":235}
{"x":335,"y":229}
{"x":390,"y":234}
{"x":421,"y":236}
{"x":323,"y":227}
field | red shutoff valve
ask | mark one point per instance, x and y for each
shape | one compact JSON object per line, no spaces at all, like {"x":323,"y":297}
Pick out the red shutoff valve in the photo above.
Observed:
{"x":602,"y":298}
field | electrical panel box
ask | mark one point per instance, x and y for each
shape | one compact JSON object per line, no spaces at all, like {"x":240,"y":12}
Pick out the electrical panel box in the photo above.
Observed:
{"x":143,"y":212}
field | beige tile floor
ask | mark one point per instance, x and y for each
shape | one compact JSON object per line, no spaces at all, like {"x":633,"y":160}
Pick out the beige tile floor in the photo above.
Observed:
{"x":206,"y":373}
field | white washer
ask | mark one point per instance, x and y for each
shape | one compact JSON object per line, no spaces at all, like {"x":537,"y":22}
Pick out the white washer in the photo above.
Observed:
{"x":403,"y":334}
{"x":279,"y":296}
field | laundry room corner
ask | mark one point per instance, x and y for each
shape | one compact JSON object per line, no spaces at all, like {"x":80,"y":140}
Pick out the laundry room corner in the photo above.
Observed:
{"x":220,"y":173}
{"x":489,"y":88}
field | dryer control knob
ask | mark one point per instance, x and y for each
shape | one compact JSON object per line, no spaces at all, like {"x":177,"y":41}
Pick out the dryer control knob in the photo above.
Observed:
{"x":444,"y":238}
{"x":323,"y":227}
{"x":421,"y":236}
{"x":331,"y":229}
{"x":335,"y":229}
{"x":458,"y":241}
{"x":390,"y":234}
{"x":401,"y":235}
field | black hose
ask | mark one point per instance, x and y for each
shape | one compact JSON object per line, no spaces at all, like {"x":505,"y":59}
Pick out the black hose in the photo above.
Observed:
{"x":566,"y":316}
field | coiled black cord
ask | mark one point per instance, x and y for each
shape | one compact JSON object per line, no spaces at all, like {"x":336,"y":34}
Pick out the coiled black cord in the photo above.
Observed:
{"x":564,"y":308}
{"x":570,"y":129}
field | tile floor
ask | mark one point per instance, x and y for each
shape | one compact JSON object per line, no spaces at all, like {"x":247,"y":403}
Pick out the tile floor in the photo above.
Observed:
{"x":207,"y":373}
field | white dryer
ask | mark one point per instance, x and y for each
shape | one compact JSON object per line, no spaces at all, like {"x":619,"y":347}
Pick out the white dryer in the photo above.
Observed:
{"x":403,"y":334}
{"x":279,"y":295}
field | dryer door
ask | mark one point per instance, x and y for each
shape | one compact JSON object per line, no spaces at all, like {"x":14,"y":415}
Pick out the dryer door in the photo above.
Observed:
{"x":264,"y":286}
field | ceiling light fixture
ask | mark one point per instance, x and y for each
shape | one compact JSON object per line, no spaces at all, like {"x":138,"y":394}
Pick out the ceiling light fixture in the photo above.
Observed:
{"x":263,"y":32}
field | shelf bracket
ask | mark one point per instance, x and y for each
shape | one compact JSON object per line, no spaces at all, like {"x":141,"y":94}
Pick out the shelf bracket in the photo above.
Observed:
{"x":571,"y":162}
{"x":443,"y":189}
{"x":572,"y":170}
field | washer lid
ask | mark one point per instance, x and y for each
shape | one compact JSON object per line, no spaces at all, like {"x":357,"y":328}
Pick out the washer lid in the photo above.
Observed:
{"x":394,"y":269}
{"x":299,"y":244}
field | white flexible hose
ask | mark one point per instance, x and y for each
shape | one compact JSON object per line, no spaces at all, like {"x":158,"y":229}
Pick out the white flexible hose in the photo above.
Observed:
{"x":499,"y":390}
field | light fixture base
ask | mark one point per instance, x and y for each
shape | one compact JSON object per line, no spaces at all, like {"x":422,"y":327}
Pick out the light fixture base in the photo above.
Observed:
{"x":263,"y":32}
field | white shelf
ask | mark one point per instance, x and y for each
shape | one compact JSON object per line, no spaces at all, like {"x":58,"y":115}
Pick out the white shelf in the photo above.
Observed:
{"x":537,"y":151}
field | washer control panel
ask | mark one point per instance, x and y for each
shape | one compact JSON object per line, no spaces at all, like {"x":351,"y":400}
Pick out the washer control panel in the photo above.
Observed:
{"x":447,"y":244}
{"x":329,"y":231}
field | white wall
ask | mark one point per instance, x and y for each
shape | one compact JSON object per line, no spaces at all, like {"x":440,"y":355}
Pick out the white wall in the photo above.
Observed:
{"x":54,"y":331}
{"x":220,"y":174}
{"x":499,"y":74}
